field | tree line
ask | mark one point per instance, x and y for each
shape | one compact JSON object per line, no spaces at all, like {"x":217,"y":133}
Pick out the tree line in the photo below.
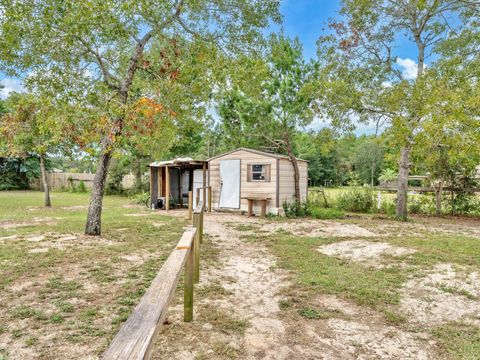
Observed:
{"x":149,"y":79}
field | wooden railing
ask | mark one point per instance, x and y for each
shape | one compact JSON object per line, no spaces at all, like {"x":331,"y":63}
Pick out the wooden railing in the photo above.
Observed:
{"x":136,"y":337}
{"x":207,"y":195}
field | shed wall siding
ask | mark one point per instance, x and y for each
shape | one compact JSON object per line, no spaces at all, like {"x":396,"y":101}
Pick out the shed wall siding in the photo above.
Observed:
{"x":287,"y":181}
{"x":246,"y":188}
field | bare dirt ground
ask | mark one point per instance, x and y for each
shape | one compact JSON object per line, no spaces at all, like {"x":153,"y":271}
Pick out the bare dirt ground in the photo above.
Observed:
{"x":366,"y":252}
{"x":421,"y":225}
{"x":35,"y":221}
{"x":443,"y":294}
{"x":251,"y":290}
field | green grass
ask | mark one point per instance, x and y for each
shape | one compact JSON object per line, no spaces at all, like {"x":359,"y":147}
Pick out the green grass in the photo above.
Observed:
{"x":378,"y":288}
{"x":76,"y":272}
{"x":326,"y":274}
{"x":462,"y":341}
{"x":432,"y":249}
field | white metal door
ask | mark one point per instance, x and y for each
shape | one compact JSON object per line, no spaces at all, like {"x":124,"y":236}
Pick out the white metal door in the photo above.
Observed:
{"x":230,"y":184}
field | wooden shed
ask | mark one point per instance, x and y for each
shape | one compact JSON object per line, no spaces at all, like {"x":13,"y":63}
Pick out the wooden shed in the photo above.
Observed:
{"x":171,"y":180}
{"x":242,"y":174}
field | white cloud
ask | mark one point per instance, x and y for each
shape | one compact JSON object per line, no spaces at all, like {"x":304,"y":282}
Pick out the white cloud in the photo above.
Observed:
{"x":10,"y":84}
{"x":409,"y":71}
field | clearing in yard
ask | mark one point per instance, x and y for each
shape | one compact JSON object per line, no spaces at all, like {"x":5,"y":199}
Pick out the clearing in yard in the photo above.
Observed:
{"x":64,"y":295}
{"x":358,"y":288}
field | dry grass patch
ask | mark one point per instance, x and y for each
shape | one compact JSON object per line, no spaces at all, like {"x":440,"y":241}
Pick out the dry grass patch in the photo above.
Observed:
{"x":63,"y":295}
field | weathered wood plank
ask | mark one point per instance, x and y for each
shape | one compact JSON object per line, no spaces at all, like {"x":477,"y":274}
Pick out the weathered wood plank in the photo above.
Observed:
{"x":136,"y":337}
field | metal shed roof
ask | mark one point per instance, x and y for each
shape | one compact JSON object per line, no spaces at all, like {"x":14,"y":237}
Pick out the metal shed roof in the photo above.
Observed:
{"x":186,"y":161}
{"x":259,"y":152}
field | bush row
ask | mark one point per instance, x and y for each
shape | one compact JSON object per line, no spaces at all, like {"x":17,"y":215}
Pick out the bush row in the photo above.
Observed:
{"x":363,"y":200}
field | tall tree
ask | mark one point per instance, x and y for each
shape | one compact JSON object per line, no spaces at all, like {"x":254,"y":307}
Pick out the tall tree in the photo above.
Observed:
{"x":361,"y":79}
{"x":368,"y":160}
{"x":281,"y":107}
{"x":98,"y":47}
{"x":30,"y":127}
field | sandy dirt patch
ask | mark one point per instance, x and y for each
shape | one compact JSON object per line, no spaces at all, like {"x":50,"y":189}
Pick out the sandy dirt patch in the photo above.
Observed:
{"x":133,"y":206}
{"x":66,"y":208}
{"x":318,"y":228}
{"x":444,"y":294}
{"x":35,"y":221}
{"x":362,"y":341}
{"x":357,"y":333}
{"x":421,"y":225}
{"x":5,"y":238}
{"x":367,"y":252}
{"x":138,"y":214}
{"x":254,"y":286}
{"x":63,"y":241}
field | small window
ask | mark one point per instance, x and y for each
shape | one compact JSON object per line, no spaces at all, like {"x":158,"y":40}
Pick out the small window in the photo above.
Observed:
{"x":259,"y":172}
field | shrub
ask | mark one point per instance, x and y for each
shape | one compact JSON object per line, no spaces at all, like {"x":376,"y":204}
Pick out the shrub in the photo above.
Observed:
{"x":81,"y":187}
{"x":387,"y":207}
{"x":325,"y":213}
{"x":294,"y":209}
{"x":141,"y":198}
{"x":311,"y":209}
{"x":415,"y":207}
{"x":387,"y":175}
{"x":356,"y":200}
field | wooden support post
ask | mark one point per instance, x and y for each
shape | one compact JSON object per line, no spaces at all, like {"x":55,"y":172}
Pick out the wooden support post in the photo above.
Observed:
{"x":196,"y":224}
{"x":209,"y":199}
{"x":180,"y":186}
{"x":151,"y":186}
{"x":198,"y":197}
{"x":190,"y":204}
{"x":167,"y":188}
{"x":264,"y":208}
{"x":200,"y":230}
{"x":250,"y":207}
{"x":159,"y":182}
{"x":204,"y":185}
{"x":188,"y":285}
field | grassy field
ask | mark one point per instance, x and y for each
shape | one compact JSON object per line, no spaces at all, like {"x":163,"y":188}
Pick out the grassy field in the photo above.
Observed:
{"x":439,"y":271}
{"x":64,"y":294}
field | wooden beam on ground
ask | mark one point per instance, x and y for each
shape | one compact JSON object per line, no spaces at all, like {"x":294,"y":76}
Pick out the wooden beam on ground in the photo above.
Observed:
{"x":137,"y":335}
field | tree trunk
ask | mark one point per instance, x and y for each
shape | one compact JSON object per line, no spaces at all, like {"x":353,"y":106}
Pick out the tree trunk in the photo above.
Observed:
{"x":94,"y":218}
{"x":372,"y":174}
{"x":46,"y":189}
{"x":138,"y":174}
{"x":296,"y":171}
{"x":402,"y":183}
{"x":438,"y":197}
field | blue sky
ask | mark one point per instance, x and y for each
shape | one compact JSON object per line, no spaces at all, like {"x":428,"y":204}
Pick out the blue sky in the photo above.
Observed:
{"x":306,"y":19}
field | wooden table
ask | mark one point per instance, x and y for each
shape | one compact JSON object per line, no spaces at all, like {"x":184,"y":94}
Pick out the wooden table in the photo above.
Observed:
{"x":263,"y":200}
